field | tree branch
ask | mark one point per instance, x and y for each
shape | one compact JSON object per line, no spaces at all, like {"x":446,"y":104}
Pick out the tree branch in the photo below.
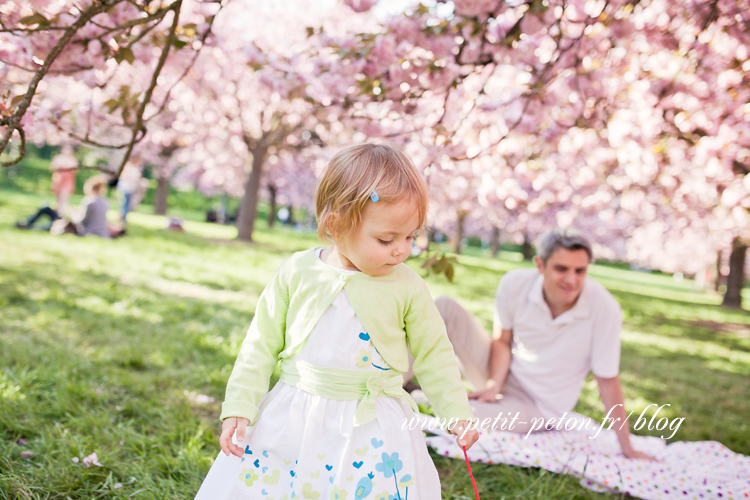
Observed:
{"x":91,"y":142}
{"x":138,"y":125}
{"x":187,"y":69}
{"x":22,"y":148}
{"x":14,"y":121}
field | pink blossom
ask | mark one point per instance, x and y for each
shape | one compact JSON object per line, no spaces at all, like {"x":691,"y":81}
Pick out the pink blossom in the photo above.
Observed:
{"x":360,"y":5}
{"x":91,"y":460}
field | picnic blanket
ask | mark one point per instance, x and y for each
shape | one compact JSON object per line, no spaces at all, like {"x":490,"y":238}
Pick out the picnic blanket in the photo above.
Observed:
{"x":687,"y":470}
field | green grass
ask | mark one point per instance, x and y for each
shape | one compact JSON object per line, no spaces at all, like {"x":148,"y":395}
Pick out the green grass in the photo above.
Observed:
{"x":105,"y":347}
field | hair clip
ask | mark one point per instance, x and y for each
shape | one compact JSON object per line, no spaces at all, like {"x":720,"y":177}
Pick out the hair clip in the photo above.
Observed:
{"x":374,"y":196}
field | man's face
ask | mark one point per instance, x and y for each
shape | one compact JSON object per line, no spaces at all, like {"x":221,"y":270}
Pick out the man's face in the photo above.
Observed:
{"x":564,"y":274}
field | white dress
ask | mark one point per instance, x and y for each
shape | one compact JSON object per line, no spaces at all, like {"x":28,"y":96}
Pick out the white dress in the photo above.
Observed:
{"x":305,"y":446}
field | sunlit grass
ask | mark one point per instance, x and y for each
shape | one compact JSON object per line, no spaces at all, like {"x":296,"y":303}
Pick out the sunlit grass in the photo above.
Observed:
{"x":106,"y":346}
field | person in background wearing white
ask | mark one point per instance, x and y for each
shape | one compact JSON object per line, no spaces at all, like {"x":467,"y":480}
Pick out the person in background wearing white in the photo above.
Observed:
{"x":128,"y":183}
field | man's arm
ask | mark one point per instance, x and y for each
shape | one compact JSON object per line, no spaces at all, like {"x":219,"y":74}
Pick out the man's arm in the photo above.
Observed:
{"x":499,"y":365}
{"x":611,"y":394}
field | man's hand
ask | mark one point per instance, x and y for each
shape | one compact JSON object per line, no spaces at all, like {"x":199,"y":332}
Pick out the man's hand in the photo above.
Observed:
{"x":610,"y":391}
{"x":634,"y":454}
{"x":489,"y":395}
{"x":485,"y":396}
{"x":227,"y":431}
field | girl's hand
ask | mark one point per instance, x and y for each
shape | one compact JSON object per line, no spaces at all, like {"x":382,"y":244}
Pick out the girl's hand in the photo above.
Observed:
{"x":465,"y":435}
{"x":227,"y":431}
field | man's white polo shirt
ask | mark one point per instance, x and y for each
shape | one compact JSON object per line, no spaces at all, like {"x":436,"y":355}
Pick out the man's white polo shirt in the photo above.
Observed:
{"x":551,"y":357}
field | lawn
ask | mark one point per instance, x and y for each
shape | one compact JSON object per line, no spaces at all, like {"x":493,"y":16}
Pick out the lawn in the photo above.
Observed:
{"x":122,"y":348}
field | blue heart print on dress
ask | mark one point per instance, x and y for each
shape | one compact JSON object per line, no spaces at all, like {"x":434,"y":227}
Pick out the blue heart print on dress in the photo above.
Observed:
{"x":265,"y":453}
{"x":364,"y":336}
{"x":357,"y":464}
{"x":257,"y":463}
{"x":376,"y":443}
{"x":329,"y":467}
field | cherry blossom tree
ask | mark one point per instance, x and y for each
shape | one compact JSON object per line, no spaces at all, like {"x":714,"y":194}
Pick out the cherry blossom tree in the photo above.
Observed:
{"x":629,"y":118}
{"x":102,"y":68}
{"x":246,"y":113}
{"x":264,"y":100}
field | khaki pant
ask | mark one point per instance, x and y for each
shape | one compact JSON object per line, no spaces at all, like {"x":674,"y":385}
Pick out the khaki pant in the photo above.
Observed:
{"x":471,"y":342}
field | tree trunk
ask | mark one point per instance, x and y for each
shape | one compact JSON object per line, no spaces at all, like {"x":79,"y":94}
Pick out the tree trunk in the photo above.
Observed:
{"x":160,"y":198}
{"x":526,"y":250}
{"x":459,"y":231}
{"x":272,"y":207}
{"x":249,"y":202}
{"x":290,"y":221}
{"x":717,"y":272}
{"x":495,"y":242}
{"x":736,"y":277}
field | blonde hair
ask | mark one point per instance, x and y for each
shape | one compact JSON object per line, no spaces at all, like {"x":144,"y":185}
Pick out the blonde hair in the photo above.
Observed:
{"x":95,"y":185}
{"x":353,"y":174}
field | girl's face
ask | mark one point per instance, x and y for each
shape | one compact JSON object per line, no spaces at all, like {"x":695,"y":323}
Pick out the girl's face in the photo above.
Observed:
{"x":383,"y":239}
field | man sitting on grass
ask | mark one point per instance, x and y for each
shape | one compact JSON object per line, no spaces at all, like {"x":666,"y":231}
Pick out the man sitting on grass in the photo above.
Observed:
{"x":552,"y":326}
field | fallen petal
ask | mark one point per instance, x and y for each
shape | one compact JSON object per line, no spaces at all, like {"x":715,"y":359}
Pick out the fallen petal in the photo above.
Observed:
{"x":92,"y":460}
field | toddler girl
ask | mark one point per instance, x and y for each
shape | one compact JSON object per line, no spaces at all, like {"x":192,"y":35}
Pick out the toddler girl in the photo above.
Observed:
{"x":341,"y":321}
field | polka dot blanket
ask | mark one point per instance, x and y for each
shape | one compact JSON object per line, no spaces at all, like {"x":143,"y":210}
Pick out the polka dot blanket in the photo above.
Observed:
{"x":687,"y":470}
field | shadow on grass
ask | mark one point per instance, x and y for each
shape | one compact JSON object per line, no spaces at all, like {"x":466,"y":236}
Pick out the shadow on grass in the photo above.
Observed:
{"x":90,"y":323}
{"x":88,"y":367}
{"x":633,"y":302}
{"x":709,"y":392}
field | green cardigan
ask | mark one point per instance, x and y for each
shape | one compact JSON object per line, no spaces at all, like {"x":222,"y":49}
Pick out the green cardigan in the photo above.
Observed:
{"x":394,"y":309}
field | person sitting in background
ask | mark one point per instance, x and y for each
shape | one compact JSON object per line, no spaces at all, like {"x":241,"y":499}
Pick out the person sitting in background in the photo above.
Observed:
{"x":91,"y":217}
{"x":44,"y":211}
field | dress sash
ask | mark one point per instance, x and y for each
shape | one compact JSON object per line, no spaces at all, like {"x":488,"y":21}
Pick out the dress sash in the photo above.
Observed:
{"x":341,"y":384}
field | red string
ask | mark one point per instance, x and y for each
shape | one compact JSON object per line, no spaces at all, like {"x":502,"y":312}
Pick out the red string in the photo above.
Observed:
{"x":471,"y":475}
